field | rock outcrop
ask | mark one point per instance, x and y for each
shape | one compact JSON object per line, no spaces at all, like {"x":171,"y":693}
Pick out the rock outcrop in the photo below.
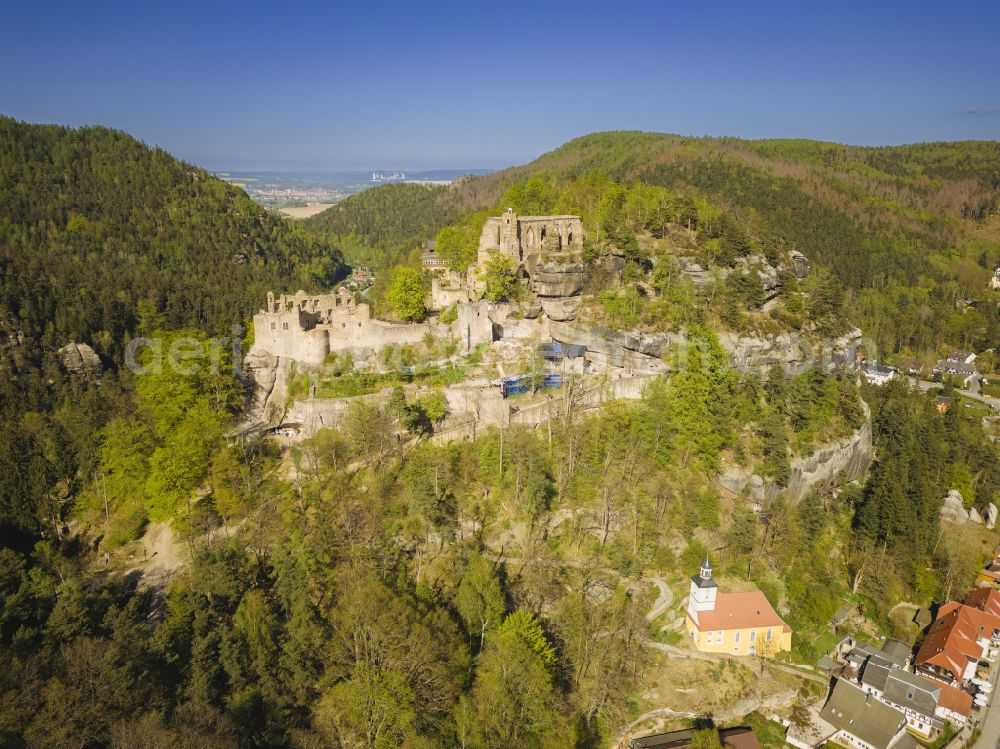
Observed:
{"x":793,"y":352}
{"x":81,"y":359}
{"x":953,"y":508}
{"x":558,"y":279}
{"x":269,"y":376}
{"x":991,"y":516}
{"x":838,"y":463}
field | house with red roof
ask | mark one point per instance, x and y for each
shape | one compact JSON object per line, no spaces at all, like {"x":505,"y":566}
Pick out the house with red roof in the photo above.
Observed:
{"x":736,"y":623}
{"x":984,"y":599}
{"x":955,"y":642}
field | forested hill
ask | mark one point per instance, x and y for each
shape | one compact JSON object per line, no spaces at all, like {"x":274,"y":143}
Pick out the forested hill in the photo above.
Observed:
{"x":95,"y":225}
{"x":381,"y":225}
{"x":99,"y":235}
{"x":908,"y":230}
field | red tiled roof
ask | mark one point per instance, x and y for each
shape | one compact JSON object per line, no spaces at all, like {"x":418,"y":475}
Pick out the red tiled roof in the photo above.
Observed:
{"x":740,"y":611}
{"x":953,"y":698}
{"x":984,"y":599}
{"x":951,"y":640}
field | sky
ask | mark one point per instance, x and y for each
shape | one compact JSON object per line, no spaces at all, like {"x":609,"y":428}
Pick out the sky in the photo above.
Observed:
{"x":423,"y":85}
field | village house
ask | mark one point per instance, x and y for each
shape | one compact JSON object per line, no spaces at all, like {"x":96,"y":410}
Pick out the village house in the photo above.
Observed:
{"x":914,"y":696}
{"x":989,"y":576}
{"x":955,"y":643}
{"x":430,"y":259}
{"x":736,"y":623}
{"x":959,"y":364}
{"x":863,"y":721}
{"x":876,"y":374}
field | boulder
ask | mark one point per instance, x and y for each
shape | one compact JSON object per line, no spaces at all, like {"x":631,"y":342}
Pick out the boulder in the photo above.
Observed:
{"x":560,"y":310}
{"x":81,"y":359}
{"x":991,"y":515}
{"x":974,"y":516}
{"x":800,"y":264}
{"x":556,"y":279}
{"x":696,"y":274}
{"x":953,"y":508}
{"x":531,"y":311}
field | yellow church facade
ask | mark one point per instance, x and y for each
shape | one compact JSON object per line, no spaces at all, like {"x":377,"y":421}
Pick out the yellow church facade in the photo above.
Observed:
{"x":733,"y":623}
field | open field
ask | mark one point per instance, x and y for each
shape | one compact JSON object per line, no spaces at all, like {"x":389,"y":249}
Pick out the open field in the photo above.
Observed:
{"x":305,"y":211}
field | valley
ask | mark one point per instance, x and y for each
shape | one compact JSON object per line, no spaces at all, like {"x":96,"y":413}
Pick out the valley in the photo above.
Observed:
{"x":609,"y":444}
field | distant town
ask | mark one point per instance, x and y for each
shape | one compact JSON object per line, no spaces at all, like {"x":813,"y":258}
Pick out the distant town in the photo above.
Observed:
{"x":288,"y":190}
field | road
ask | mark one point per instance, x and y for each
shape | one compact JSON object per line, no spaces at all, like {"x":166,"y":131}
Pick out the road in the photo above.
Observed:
{"x":990,"y":725}
{"x":925,"y":385}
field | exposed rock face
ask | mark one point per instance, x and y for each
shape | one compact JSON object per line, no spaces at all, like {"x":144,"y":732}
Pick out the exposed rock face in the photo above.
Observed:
{"x":791,"y":351}
{"x":269,"y":375}
{"x":558,"y":279}
{"x":561,"y":310}
{"x":800,"y":264}
{"x":953,"y":508}
{"x":696,"y":274}
{"x":81,"y":359}
{"x":838,"y":463}
{"x":974,"y":516}
{"x":991,"y":515}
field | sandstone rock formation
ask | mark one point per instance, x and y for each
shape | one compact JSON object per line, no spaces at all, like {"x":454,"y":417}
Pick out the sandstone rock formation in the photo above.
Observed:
{"x":953,"y":508}
{"x":558,"y":279}
{"x":81,"y":359}
{"x":843,"y":461}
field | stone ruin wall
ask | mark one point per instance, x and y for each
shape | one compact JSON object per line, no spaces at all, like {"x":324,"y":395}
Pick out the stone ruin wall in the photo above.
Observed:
{"x":524,"y":238}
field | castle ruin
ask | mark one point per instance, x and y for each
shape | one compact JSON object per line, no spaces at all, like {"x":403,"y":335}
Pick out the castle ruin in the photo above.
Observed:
{"x":525,"y":238}
{"x":307,"y":327}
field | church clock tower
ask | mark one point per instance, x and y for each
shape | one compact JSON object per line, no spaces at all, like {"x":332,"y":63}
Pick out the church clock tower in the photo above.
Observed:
{"x":703,"y":590}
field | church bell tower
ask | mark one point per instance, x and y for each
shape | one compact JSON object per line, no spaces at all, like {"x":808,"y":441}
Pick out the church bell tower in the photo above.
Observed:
{"x":703,"y":591}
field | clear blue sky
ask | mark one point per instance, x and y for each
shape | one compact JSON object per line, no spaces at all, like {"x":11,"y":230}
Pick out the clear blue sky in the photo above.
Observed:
{"x":422,"y":85}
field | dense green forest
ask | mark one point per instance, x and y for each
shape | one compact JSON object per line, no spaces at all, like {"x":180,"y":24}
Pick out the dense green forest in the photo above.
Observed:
{"x":909,"y":231}
{"x":99,"y":235}
{"x":384,"y":224}
{"x":368,"y":588}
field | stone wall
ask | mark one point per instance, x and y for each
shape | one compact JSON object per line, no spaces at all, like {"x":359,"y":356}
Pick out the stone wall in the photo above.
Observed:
{"x":519,"y":237}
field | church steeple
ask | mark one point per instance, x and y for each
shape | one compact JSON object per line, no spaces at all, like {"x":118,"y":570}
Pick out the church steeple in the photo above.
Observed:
{"x":706,"y":569}
{"x":703,"y":591}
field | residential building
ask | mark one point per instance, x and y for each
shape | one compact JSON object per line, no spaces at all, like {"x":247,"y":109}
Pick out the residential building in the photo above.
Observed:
{"x":984,"y":599}
{"x":811,"y":734}
{"x":959,"y":364}
{"x":863,"y":721}
{"x":954,"y":704}
{"x":876,"y":374}
{"x":990,"y":575}
{"x":955,"y":643}
{"x":916,"y":697}
{"x":736,"y":623}
{"x":942,"y":404}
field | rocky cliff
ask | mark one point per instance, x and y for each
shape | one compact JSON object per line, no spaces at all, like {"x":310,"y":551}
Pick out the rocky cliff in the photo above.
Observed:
{"x":837,"y":463}
{"x":791,"y":351}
